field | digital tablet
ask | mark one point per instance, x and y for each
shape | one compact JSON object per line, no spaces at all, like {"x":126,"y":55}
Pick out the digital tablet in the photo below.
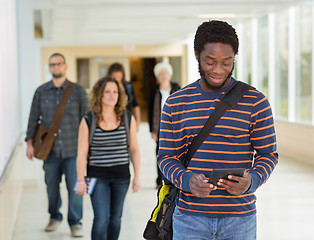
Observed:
{"x":216,"y":174}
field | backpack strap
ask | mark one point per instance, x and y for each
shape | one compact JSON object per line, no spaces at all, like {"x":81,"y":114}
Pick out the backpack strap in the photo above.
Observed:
{"x":229,"y":100}
{"x":127,"y":123}
{"x":91,"y":123}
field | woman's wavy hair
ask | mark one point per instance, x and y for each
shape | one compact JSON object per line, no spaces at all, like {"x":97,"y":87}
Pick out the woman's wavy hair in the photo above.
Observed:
{"x":96,"y":99}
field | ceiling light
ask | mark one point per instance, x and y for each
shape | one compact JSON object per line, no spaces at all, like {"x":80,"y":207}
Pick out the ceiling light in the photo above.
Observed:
{"x":226,"y":15}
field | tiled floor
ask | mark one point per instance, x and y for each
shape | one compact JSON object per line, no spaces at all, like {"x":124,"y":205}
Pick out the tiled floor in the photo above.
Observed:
{"x":285,"y":204}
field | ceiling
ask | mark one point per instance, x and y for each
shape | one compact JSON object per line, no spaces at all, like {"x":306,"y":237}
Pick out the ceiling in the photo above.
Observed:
{"x":141,"y":22}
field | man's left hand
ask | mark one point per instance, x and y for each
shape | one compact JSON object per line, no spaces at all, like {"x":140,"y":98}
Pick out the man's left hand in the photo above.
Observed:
{"x":240,"y":186}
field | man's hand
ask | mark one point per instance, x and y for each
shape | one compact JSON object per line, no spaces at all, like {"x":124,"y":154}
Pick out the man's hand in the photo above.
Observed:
{"x":239,"y":187}
{"x":30,"y":149}
{"x":200,"y":186}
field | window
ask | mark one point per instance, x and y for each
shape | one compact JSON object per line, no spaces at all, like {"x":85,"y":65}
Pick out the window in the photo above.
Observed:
{"x":282,"y":66}
{"x":248,"y":52}
{"x":304,"y":66}
{"x":263,"y":76}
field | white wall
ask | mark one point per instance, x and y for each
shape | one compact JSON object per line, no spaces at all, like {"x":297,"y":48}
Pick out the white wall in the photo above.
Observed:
{"x":29,"y":75}
{"x":9,"y":93}
{"x":29,"y":59}
{"x":295,"y":141}
{"x":10,"y":185}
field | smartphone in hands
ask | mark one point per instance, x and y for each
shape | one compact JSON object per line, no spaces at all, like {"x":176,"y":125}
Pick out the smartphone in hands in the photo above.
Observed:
{"x":223,"y":173}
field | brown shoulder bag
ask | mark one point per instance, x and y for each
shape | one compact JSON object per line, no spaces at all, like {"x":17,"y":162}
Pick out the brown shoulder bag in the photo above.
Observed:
{"x":45,"y":137}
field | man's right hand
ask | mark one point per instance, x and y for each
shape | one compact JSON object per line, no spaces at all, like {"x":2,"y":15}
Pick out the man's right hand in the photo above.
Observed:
{"x":200,"y":186}
{"x":30,"y":149}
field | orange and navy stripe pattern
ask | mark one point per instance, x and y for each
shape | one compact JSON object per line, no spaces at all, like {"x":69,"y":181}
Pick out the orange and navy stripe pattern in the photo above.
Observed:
{"x":244,"y":137}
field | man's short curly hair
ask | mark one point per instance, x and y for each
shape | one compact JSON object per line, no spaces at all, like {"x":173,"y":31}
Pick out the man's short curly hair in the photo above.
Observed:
{"x":214,"y":31}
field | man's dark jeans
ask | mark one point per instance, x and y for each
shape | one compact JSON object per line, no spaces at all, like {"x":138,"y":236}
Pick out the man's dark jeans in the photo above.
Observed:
{"x":54,"y":169}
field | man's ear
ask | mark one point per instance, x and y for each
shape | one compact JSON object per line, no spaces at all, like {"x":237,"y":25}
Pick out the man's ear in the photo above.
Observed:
{"x":196,"y":56}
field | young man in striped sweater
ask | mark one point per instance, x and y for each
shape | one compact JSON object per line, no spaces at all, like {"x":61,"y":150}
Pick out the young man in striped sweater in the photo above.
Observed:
{"x":243,"y":138}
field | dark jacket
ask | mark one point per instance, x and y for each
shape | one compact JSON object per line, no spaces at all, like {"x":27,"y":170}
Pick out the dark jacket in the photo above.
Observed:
{"x":174,"y":87}
{"x":132,"y":101}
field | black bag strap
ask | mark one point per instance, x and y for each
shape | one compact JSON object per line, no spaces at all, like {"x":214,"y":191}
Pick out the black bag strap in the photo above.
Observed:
{"x":229,"y":100}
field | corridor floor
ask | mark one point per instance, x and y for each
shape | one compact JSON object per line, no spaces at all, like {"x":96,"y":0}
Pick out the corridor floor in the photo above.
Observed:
{"x":285,"y":204}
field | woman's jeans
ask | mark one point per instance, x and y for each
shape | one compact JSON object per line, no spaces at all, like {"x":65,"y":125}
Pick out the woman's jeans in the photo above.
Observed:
{"x":193,"y":227}
{"x":107,"y":200}
{"x":54,"y":168}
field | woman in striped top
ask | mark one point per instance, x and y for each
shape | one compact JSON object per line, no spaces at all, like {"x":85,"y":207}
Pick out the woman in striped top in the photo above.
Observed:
{"x":107,"y":158}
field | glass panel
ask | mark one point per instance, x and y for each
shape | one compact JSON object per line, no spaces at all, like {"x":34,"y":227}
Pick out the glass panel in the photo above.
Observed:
{"x":304,"y":66}
{"x":248,"y":52}
{"x":235,"y":70}
{"x":263,"y":77}
{"x":282,"y":65}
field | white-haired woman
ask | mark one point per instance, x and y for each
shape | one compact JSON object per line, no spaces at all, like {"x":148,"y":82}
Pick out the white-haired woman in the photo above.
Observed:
{"x":158,"y":95}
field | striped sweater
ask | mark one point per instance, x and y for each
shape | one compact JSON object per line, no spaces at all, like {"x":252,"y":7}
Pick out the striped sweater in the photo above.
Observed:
{"x":243,"y":138}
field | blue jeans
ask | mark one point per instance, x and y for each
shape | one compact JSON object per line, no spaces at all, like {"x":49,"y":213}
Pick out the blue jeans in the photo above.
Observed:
{"x":54,"y":169}
{"x":107,"y":201}
{"x":204,"y":228}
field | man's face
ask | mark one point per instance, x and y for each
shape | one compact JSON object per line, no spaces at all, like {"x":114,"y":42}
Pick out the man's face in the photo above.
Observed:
{"x":163,"y":77}
{"x":216,"y":64}
{"x":57,"y":66}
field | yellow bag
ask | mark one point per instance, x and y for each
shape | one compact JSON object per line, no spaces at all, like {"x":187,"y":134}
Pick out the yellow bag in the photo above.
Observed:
{"x":159,"y":227}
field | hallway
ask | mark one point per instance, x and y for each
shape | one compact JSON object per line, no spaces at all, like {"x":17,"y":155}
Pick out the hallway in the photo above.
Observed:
{"x":285,"y":204}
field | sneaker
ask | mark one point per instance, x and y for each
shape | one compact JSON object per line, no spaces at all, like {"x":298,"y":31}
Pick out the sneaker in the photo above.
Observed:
{"x":52,"y":225}
{"x":77,"y":230}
